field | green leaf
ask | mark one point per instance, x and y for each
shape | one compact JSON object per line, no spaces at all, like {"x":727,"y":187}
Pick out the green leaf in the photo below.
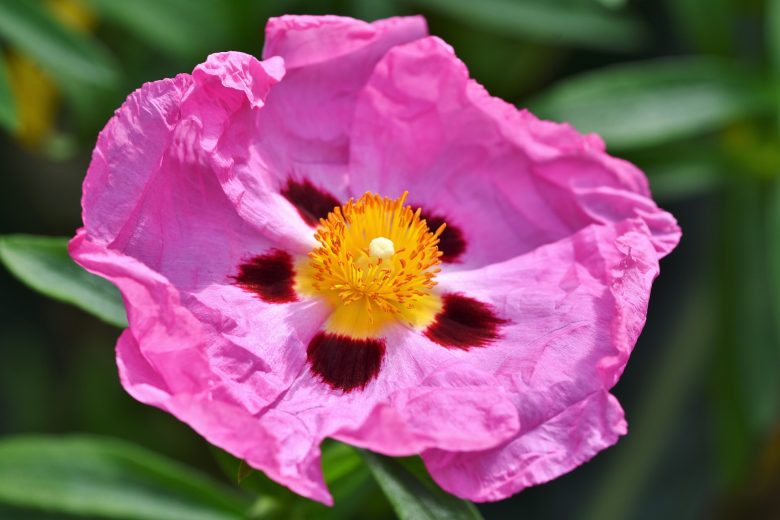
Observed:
{"x":27,"y":514}
{"x":655,"y":102}
{"x":355,"y":494}
{"x":43,"y":263}
{"x":683,"y":179}
{"x":68,"y":54}
{"x":108,"y":478}
{"x":410,"y":497}
{"x":8,"y":117}
{"x":773,"y":34}
{"x":244,"y":470}
{"x":547,"y":21}
{"x":747,"y":385}
{"x":349,"y":482}
{"x":254,"y":482}
{"x":613,"y":4}
{"x":178,"y":28}
{"x":680,"y":172}
{"x":773,"y":231}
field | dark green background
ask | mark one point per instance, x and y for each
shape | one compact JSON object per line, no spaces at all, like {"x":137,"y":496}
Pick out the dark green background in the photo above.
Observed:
{"x":686,"y":89}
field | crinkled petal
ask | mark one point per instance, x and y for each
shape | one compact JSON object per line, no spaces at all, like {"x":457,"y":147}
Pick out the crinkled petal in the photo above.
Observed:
{"x":159,"y":225}
{"x":203,"y":348}
{"x":303,"y":132}
{"x":128,"y":155}
{"x":275,"y":442}
{"x":179,"y":224}
{"x":262,"y":133}
{"x":544,"y":453}
{"x":308,"y":40}
{"x":227,"y":103}
{"x":199,"y":176}
{"x":575,"y":309}
{"x":151,"y":189}
{"x":178,"y":357}
{"x":410,"y":406}
{"x":508,"y":181}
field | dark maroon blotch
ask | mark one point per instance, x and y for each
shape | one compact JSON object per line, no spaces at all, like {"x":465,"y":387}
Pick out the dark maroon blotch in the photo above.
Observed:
{"x":270,"y":276}
{"x":451,"y":241}
{"x":345,"y":363}
{"x":464,"y":322}
{"x":311,"y":202}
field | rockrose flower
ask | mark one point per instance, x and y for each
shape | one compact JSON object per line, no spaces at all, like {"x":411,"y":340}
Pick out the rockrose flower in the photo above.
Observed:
{"x":352,"y":239}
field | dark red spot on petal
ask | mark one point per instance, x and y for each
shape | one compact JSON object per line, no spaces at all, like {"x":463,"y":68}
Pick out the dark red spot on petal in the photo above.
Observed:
{"x":451,"y":242}
{"x":270,"y":276}
{"x":464,"y":322}
{"x":311,"y":202}
{"x":345,"y":363}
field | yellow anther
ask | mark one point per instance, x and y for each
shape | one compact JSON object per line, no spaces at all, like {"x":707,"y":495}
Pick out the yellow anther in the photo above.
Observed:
{"x":375,"y":263}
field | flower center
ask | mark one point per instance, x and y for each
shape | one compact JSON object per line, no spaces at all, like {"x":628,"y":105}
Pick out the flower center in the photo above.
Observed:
{"x":382,"y":248}
{"x":375,"y":264}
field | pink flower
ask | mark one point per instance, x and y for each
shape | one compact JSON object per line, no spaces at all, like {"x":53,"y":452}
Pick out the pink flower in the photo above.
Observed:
{"x":488,"y":346}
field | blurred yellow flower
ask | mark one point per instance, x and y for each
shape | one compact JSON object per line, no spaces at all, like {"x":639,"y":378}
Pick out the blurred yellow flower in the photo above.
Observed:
{"x":35,"y":93}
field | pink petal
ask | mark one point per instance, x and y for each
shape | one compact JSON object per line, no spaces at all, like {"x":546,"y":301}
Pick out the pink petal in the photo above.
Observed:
{"x":216,"y":371}
{"x":159,"y":225}
{"x":128,"y":153}
{"x":225,"y":106}
{"x":275,"y":442}
{"x":196,"y":176}
{"x":153,"y":177}
{"x":305,"y":126}
{"x":509,"y":181}
{"x":179,"y":225}
{"x":409,"y":406}
{"x":573,"y":322}
{"x":308,"y":40}
{"x":544,"y":453}
{"x":414,"y":419}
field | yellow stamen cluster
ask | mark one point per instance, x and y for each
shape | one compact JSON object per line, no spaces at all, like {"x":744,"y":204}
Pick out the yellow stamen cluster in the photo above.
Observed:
{"x":376,"y":262}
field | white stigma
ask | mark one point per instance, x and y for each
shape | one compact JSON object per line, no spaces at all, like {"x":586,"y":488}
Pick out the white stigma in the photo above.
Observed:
{"x":381,"y":247}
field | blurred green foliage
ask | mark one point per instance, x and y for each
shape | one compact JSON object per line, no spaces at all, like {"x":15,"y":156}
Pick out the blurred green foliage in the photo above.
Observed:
{"x":689,"y":90}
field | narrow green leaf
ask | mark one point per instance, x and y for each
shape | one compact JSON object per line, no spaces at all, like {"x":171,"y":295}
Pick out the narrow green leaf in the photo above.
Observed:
{"x":178,"y":28}
{"x":108,"y":478}
{"x":67,"y":54}
{"x":547,"y":21}
{"x":773,"y":34}
{"x":773,"y":45}
{"x":681,"y":172}
{"x":8,"y":117}
{"x":354,"y":492}
{"x":748,"y":323}
{"x":745,"y":386}
{"x":655,"y":102}
{"x":681,"y":180}
{"x":16,"y":513}
{"x":773,"y":229}
{"x":43,"y":264}
{"x":613,"y":4}
{"x":254,"y":482}
{"x":244,"y":470}
{"x":349,"y":482}
{"x":411,"y":498}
